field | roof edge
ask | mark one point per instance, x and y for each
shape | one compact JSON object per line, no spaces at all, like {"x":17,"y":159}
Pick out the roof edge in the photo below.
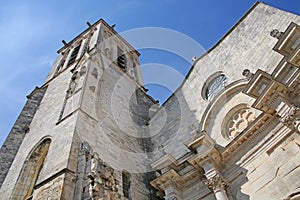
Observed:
{"x":100,"y":21}
{"x":212,"y":48}
{"x":231,"y":29}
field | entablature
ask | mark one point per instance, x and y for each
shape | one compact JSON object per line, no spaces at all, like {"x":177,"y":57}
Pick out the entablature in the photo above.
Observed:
{"x":289,"y":43}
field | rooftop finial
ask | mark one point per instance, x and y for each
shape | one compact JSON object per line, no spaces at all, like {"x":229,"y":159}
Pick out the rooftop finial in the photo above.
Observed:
{"x":194,"y":58}
{"x":89,"y":24}
{"x":64,"y":42}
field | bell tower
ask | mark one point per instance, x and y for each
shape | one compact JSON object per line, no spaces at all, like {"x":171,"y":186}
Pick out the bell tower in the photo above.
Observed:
{"x":85,"y":135}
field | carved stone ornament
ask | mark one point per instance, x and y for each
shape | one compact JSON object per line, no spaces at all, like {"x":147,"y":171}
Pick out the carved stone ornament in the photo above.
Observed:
{"x":85,"y":147}
{"x":296,"y":124}
{"x":276,"y":34}
{"x":216,"y":183}
{"x":102,"y":182}
{"x":95,"y":182}
{"x":248,"y":74}
{"x":291,"y":116}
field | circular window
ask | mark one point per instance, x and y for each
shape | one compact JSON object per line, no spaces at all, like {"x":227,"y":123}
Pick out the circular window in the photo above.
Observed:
{"x":213,"y":86}
{"x":237,"y":120}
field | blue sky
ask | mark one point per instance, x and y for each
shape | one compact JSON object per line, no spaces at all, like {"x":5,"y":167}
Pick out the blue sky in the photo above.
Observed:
{"x":31,"y":32}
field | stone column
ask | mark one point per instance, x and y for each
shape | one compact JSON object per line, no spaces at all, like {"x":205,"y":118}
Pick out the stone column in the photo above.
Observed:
{"x":218,"y":186}
{"x":215,"y":182}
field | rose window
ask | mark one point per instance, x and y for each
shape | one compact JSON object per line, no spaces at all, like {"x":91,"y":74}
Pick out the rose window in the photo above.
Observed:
{"x":238,"y":120}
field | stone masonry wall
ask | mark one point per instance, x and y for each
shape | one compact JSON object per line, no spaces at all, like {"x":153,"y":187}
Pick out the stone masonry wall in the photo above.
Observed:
{"x":271,"y":175}
{"x":12,"y":143}
{"x":45,"y":125}
{"x":247,"y":46}
{"x":88,"y":101}
{"x":113,"y":121}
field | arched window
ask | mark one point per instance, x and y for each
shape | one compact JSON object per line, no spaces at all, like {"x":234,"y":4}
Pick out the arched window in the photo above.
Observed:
{"x":61,"y":63}
{"x":74,"y":54}
{"x":126,"y":184}
{"x":30,"y":171}
{"x":213,"y":85}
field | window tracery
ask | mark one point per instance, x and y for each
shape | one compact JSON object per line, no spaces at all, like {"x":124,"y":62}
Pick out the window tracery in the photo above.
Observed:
{"x":30,"y":172}
{"x":237,"y":120}
{"x":213,"y":86}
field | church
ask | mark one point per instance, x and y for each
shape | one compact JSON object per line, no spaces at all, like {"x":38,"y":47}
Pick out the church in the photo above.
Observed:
{"x":91,"y":131}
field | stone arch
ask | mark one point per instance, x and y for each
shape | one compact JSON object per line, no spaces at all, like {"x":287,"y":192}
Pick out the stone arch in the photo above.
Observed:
{"x":216,"y":111}
{"x":30,"y":170}
{"x":229,"y":92}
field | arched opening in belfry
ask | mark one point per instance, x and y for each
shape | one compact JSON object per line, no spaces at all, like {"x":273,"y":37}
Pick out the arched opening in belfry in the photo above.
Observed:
{"x":31,"y":170}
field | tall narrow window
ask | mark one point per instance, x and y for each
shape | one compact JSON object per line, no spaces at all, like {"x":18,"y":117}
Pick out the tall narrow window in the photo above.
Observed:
{"x":30,"y":171}
{"x":121,"y":59}
{"x":126,"y":184}
{"x":61,"y":64}
{"x":74,"y":54}
{"x":134,"y":70}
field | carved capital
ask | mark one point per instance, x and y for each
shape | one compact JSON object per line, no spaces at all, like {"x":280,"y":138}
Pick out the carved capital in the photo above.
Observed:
{"x":291,"y":117}
{"x":296,"y":124}
{"x":288,"y":114}
{"x":216,"y":183}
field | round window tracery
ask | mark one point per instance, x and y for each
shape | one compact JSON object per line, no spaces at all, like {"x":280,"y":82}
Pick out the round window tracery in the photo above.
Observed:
{"x":237,"y":120}
{"x":213,"y":86}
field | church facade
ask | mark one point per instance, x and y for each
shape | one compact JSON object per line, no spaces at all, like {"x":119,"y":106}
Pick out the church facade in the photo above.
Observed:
{"x":227,"y":133}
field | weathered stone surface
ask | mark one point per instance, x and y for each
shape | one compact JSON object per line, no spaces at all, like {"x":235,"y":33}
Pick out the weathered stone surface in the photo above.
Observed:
{"x":257,"y":163}
{"x":103,"y":125}
{"x":21,"y":127}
